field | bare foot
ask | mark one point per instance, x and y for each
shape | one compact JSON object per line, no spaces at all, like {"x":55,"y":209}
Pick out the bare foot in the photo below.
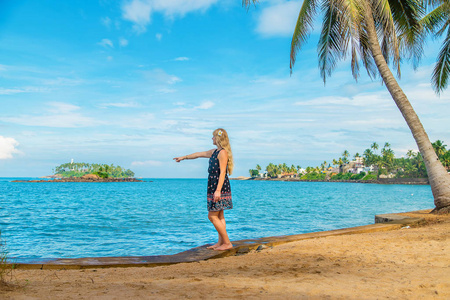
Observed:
{"x":224,"y":247}
{"x":213,"y":246}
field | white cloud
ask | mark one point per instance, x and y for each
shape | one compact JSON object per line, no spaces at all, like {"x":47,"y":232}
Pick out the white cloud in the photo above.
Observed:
{"x":62,"y":108}
{"x":6,"y":91}
{"x":158,"y":36}
{"x":141,"y":121}
{"x":173,"y":80}
{"x":279,"y":20}
{"x":62,"y":81}
{"x":123,"y":42}
{"x":205,"y":105}
{"x":106,"y":43}
{"x":106,"y":21}
{"x":166,"y":91}
{"x":120,"y":105}
{"x":150,"y":163}
{"x":58,"y":115}
{"x":181,"y":7}
{"x":159,"y":76}
{"x":139,"y":11}
{"x":181,"y":58}
{"x":8,"y":147}
{"x":74,"y":120}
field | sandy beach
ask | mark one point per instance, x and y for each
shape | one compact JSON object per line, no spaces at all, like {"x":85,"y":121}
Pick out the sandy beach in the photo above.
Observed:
{"x":408,"y":263}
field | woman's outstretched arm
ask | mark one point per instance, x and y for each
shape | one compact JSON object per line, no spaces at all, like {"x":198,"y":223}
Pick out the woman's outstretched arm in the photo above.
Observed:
{"x":206,"y":154}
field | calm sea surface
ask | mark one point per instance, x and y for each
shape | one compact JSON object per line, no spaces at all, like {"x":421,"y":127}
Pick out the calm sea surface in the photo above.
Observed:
{"x":167,"y":216}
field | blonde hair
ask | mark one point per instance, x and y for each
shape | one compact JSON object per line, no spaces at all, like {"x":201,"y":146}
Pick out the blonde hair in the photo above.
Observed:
{"x":222,"y":141}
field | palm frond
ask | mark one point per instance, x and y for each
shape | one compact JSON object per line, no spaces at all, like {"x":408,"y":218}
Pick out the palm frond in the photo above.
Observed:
{"x":247,"y":3}
{"x":302,"y":28}
{"x":441,"y":71}
{"x":443,"y":28}
{"x":354,"y":16}
{"x":436,"y":18}
{"x":333,"y":39}
{"x":407,"y":14}
{"x":431,"y":4}
{"x":366,"y":54}
{"x":385,"y":24}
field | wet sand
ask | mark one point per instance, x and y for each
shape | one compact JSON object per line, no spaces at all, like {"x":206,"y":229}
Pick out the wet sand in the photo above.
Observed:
{"x":408,"y":263}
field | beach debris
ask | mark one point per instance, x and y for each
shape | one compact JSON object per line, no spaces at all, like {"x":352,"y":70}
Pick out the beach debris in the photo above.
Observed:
{"x":242,"y":250}
{"x":261,"y":247}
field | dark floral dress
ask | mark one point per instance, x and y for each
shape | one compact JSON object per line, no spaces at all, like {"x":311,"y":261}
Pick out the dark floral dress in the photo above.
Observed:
{"x":213,"y":180}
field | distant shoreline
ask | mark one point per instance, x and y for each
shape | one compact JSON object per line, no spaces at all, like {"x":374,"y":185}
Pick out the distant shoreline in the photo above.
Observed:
{"x":409,"y":181}
{"x":78,"y":179}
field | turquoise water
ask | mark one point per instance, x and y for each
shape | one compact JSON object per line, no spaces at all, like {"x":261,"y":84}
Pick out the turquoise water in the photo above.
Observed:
{"x":167,"y":216}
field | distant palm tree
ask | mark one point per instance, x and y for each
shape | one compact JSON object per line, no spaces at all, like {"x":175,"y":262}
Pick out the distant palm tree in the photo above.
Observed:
{"x":335,"y":162}
{"x":446,"y":160}
{"x":410,"y":153}
{"x":374,"y":32}
{"x":374,"y":146}
{"x":439,"y":148}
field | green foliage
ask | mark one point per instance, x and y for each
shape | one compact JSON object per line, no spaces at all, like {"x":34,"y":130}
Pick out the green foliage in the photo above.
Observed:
{"x":342,"y":176}
{"x":369,"y":176}
{"x":102,"y":170}
{"x":314,"y":176}
{"x":5,"y":269}
{"x":411,"y":166}
{"x":253,"y":172}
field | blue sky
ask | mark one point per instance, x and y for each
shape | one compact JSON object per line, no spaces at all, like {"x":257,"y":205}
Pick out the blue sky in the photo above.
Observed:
{"x":138,"y":82}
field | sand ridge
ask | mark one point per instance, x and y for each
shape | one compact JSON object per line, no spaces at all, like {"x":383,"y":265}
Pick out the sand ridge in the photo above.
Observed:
{"x":408,"y":263}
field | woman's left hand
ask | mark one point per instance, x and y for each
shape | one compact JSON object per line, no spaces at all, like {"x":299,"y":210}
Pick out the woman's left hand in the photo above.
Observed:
{"x":216,"y":196}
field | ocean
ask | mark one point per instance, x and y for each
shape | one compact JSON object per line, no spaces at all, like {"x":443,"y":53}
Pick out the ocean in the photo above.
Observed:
{"x":167,"y":216}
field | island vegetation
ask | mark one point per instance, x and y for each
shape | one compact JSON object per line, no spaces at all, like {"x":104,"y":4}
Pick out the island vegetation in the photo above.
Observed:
{"x":371,"y":165}
{"x":74,"y":169}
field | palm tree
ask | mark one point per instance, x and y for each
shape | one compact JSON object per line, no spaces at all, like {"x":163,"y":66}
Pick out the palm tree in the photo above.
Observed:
{"x":410,"y":153}
{"x":334,"y":162}
{"x":345,"y":154}
{"x":368,"y":157}
{"x":446,"y":160}
{"x":374,"y":146}
{"x":439,"y":148}
{"x":388,"y":158}
{"x":375,"y":31}
{"x":436,"y":22}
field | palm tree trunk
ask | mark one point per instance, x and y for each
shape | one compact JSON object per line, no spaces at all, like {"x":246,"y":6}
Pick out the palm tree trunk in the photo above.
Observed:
{"x":437,"y":175}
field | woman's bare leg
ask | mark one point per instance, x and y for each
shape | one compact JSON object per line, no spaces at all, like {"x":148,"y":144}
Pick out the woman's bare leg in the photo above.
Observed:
{"x":218,"y":220}
{"x":220,"y":241}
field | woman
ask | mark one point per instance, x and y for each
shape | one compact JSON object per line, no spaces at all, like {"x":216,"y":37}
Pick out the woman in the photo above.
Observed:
{"x":219,"y":192}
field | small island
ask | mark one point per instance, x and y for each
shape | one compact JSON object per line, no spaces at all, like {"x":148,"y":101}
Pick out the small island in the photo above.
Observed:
{"x":85,"y":172}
